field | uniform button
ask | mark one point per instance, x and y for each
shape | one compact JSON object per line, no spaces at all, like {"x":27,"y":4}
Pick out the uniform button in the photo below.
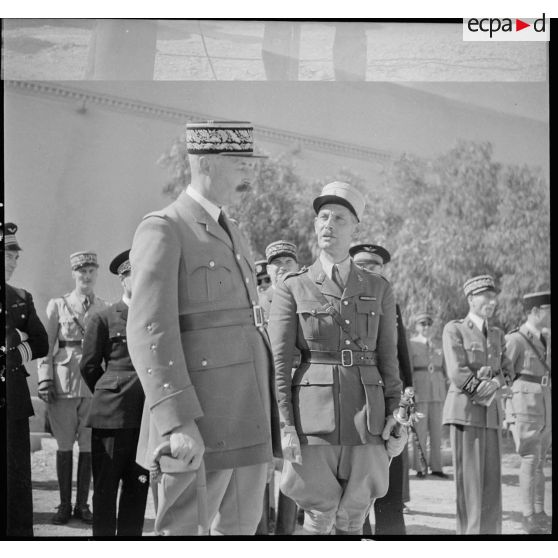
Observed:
{"x":313,"y":312}
{"x":238,"y":257}
{"x":211,"y":263}
{"x":153,"y":347}
{"x":149,"y":327}
{"x":247,"y":280}
{"x":347,"y":342}
{"x":204,"y":362}
{"x":306,"y":382}
{"x":150,"y":371}
{"x":166,"y":387}
{"x":23,"y":315}
{"x":123,"y":340}
{"x":171,"y":362}
{"x":345,"y":302}
{"x":373,"y":313}
{"x":347,"y":321}
{"x":118,"y":334}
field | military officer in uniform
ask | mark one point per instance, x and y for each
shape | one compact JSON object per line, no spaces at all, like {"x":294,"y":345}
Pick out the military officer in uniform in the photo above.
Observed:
{"x":262,"y":277}
{"x":388,"y":510}
{"x":531,"y":406}
{"x":337,"y":408}
{"x":26,"y":339}
{"x":196,"y":338}
{"x":477,"y":366}
{"x":115,"y":416}
{"x":430,"y":386}
{"x":62,"y":387}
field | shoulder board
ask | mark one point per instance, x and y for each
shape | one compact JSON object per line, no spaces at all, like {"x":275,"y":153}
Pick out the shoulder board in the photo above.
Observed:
{"x":515,"y":330}
{"x":302,"y":270}
{"x":456,"y":321}
{"x":22,"y":293}
{"x":233,"y":221}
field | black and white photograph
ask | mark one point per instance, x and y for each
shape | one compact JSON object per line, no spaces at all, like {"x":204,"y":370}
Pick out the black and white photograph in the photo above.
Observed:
{"x":276,"y":279}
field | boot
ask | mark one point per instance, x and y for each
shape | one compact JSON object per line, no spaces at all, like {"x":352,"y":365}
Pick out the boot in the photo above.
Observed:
{"x":81,"y":509}
{"x":64,"y":461}
{"x":286,"y":516}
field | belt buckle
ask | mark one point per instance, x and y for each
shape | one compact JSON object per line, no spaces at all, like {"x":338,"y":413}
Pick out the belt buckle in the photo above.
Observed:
{"x":258,"y":315}
{"x":344,"y":360}
{"x":544,"y":380}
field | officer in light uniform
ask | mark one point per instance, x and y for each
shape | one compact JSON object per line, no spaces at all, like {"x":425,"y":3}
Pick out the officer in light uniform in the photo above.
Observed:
{"x":25,"y":340}
{"x":477,"y":366}
{"x":197,"y":341}
{"x":531,"y":406}
{"x":337,"y":408}
{"x":430,"y":385}
{"x":61,"y":386}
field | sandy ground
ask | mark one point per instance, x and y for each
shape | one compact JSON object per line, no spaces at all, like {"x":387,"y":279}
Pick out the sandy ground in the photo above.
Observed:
{"x":57,"y":50}
{"x":432,"y":502}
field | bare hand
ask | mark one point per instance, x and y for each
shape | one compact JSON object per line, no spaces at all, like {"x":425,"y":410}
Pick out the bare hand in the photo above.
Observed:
{"x":290,"y":445}
{"x":187,"y":445}
{"x":394,"y":446}
{"x":388,"y":427}
{"x":46,"y":392}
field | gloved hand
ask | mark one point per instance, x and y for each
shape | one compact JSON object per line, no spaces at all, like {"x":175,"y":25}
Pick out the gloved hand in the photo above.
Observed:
{"x":388,"y":427}
{"x":187,"y":445}
{"x":291,"y":445}
{"x":395,"y":445}
{"x":46,"y":391}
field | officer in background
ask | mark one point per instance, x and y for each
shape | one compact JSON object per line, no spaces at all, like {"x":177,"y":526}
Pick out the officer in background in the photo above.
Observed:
{"x":477,"y":366}
{"x":430,"y":385}
{"x":531,"y":406}
{"x":26,"y":339}
{"x":115,"y":416}
{"x":262,"y":277}
{"x":336,"y":409}
{"x":388,"y":510}
{"x":63,"y":389}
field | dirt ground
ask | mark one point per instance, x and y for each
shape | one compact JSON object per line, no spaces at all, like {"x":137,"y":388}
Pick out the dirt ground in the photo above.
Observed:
{"x":432,"y":505}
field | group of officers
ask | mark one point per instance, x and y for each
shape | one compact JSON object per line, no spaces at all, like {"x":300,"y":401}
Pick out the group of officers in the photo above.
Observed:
{"x":197,"y":381}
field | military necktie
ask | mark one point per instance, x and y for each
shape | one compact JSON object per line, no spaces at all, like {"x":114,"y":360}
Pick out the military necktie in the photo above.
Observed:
{"x":224,"y":225}
{"x":86,"y":303}
{"x":484,"y":329}
{"x":336,"y":277}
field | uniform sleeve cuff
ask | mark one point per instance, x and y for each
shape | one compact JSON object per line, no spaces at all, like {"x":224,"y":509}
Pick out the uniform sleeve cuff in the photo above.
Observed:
{"x":25,"y":351}
{"x":175,"y":411}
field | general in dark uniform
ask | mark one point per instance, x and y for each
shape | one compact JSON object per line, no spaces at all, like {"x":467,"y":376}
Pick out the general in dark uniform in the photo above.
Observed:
{"x":115,"y":417}
{"x":26,"y":339}
{"x":477,"y":366}
{"x":337,"y":407}
{"x":531,"y":406}
{"x":388,"y":510}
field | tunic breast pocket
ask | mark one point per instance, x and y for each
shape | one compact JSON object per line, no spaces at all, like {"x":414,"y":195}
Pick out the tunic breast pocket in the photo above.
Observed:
{"x":475,"y":354}
{"x":368,"y":314}
{"x":314,"y":320}
{"x":209,"y":281}
{"x":108,"y":383}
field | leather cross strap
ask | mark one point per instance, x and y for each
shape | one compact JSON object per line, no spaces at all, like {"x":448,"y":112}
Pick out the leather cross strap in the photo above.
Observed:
{"x":76,"y":321}
{"x":542,"y":360}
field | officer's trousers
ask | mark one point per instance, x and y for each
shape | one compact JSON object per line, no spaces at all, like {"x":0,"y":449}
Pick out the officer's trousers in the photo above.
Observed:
{"x":532,"y":442}
{"x":234,"y":502}
{"x":336,"y":485}
{"x":477,"y":465}
{"x":67,"y":418}
{"x":113,"y":456}
{"x":429,"y":425}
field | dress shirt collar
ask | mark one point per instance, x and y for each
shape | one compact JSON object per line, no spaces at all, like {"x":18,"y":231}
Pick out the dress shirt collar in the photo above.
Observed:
{"x":477,"y":320}
{"x":209,"y":206}
{"x":344,"y":267}
{"x":126,"y":300}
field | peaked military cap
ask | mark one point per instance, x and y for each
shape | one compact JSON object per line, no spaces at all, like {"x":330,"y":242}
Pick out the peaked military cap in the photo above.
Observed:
{"x":121,"y":264}
{"x":532,"y":300}
{"x":280,"y":248}
{"x":10,"y":241}
{"x":83,"y":259}
{"x":342,"y":194}
{"x":221,"y":138}
{"x":261,"y":268}
{"x":478,"y":284}
{"x":370,"y":249}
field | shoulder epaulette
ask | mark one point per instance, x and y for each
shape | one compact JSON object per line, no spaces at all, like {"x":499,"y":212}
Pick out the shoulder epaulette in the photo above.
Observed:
{"x":22,"y":293}
{"x":514,"y":330}
{"x":458,"y":321}
{"x":302,"y":270}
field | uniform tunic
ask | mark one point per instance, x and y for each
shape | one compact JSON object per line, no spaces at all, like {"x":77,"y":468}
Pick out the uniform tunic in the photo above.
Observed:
{"x":531,"y":412}
{"x":475,"y":428}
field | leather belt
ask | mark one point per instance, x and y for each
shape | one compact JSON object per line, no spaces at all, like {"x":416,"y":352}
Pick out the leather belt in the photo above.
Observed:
{"x":346,"y":357}
{"x":542,"y":380}
{"x":62,"y":344}
{"x":221,"y":318}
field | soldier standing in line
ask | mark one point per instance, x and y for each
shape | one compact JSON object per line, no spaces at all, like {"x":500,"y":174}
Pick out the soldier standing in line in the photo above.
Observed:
{"x":531,"y":406}
{"x":115,"y":416}
{"x":63,"y":389}
{"x":262,"y":277}
{"x":26,"y":339}
{"x":477,"y":366}
{"x":388,"y":510}
{"x":430,"y":385}
{"x":337,"y":408}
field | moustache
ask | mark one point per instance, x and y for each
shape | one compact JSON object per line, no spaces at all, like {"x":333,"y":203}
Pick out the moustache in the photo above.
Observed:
{"x":244,"y":186}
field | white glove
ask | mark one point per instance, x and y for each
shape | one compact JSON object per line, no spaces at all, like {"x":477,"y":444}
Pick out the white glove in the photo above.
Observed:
{"x":291,"y":445}
{"x":394,"y":446}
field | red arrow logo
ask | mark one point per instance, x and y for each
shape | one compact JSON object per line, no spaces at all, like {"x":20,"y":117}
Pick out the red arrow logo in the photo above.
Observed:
{"x":519,"y":25}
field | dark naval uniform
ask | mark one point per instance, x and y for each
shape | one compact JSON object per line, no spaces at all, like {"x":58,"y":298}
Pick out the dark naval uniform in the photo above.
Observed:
{"x":115,"y":417}
{"x":339,"y":396}
{"x":475,"y":428}
{"x":531,"y":411}
{"x":26,"y":339}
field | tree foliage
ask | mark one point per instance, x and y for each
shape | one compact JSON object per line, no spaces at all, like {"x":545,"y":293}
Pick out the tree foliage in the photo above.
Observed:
{"x":443,"y":220}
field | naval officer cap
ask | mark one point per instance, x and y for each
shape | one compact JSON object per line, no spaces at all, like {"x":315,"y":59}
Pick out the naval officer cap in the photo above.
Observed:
{"x":538,"y":299}
{"x":120,"y":265}
{"x":83,"y":259}
{"x":344,"y":194}
{"x":370,"y":249}
{"x":280,"y":248}
{"x":261,"y":269}
{"x":10,"y":241}
{"x":479,"y":284}
{"x":221,"y":138}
